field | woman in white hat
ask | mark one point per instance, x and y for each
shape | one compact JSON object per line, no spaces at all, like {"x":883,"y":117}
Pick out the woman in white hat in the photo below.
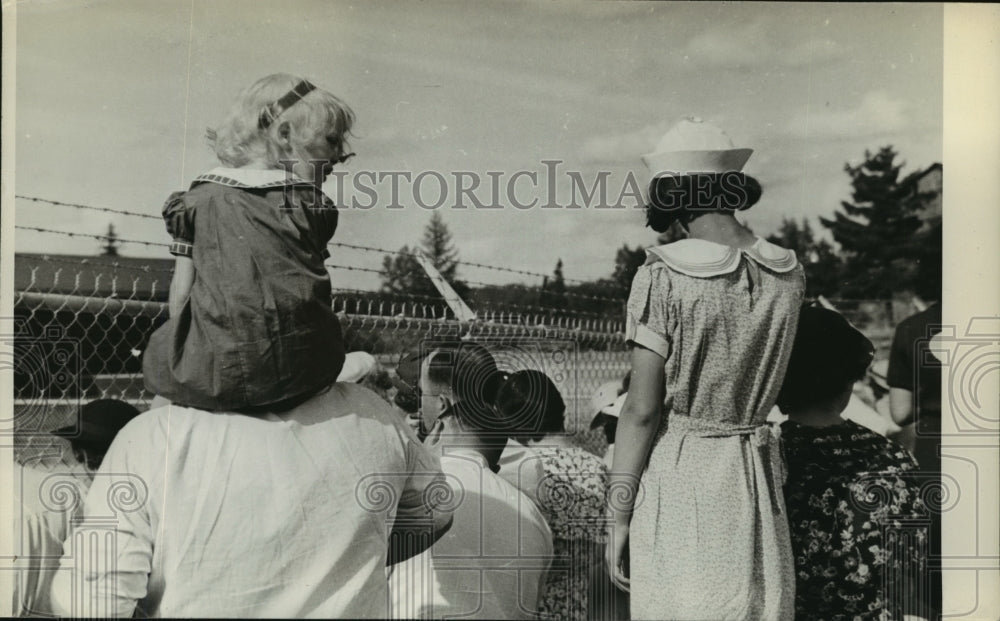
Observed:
{"x":695,"y":492}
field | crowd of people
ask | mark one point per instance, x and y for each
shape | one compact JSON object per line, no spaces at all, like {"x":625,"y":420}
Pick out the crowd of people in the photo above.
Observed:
{"x":279,"y":475}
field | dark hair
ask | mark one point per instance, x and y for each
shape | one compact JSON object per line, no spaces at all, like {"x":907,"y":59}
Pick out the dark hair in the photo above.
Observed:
{"x":531,"y":405}
{"x":828,"y":355}
{"x":471,"y":372}
{"x":685,"y":197}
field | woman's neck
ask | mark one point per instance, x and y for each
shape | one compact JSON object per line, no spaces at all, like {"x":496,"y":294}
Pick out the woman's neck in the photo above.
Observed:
{"x":722,"y":228}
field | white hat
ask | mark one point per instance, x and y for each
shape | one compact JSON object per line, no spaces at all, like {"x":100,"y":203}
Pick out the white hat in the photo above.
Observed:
{"x":694,"y":146}
{"x":357,"y":366}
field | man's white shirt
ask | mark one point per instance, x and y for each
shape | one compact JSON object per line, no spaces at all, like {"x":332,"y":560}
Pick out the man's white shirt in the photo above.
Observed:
{"x":491,"y":564}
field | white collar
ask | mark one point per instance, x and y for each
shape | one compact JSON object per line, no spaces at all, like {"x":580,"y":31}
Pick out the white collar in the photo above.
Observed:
{"x":704,"y":259}
{"x":467,"y":454}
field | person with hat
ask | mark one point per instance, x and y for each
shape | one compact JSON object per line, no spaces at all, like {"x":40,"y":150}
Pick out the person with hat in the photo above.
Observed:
{"x":695,"y":487}
{"x":858,"y":522}
{"x":47,"y":510}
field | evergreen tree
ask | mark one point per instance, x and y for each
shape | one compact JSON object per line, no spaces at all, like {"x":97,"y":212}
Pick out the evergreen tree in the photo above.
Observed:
{"x":876,"y":229}
{"x":438,"y":247}
{"x":554,"y":289}
{"x":111,"y":243}
{"x":627,"y":263}
{"x":403,"y":274}
{"x":818,"y":257}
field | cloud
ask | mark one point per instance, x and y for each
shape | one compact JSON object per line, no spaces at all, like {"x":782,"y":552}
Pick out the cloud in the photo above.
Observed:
{"x":757,"y":44}
{"x":630,"y":145}
{"x":876,"y":114}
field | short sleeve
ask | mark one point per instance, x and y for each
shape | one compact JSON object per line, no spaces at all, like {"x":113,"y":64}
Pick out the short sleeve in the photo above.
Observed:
{"x":178,"y":215}
{"x":646,"y":313}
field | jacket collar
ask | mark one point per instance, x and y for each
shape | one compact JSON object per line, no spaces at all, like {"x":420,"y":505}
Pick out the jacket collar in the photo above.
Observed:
{"x":252,"y":178}
{"x":704,"y":259}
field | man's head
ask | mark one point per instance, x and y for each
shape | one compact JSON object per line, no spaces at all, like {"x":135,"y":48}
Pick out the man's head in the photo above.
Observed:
{"x":460,"y":379}
{"x":828,"y":356}
{"x":100,"y":422}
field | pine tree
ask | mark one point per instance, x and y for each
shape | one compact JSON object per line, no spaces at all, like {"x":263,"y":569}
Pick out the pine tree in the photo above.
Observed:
{"x":627,"y":263}
{"x":403,"y":274}
{"x":876,"y":229}
{"x":438,"y":247}
{"x":111,"y":243}
{"x":554,"y":289}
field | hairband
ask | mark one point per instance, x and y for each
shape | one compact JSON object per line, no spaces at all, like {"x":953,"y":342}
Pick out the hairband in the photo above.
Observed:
{"x":274,"y":110}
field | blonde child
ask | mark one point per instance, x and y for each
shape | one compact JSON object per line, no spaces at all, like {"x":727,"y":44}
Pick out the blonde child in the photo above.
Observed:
{"x":251,"y":324}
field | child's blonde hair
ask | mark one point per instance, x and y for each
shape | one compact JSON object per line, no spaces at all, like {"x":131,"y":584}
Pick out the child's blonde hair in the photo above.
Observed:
{"x":239,"y":140}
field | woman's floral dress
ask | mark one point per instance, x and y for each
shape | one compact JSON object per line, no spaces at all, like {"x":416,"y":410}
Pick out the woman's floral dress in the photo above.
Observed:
{"x":571,"y":497}
{"x":858,"y":523}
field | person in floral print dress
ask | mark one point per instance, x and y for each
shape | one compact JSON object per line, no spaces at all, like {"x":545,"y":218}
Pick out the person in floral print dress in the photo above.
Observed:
{"x":856,"y":513}
{"x":568,"y":485}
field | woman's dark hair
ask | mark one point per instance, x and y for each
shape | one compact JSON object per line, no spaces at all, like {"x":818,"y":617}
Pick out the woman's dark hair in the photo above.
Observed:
{"x":685,"y":197}
{"x":532,"y":405}
{"x":828,"y":355}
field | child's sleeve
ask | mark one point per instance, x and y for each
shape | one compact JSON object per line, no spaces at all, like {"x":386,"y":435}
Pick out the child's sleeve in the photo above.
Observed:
{"x":324,"y":224}
{"x":178,"y":215}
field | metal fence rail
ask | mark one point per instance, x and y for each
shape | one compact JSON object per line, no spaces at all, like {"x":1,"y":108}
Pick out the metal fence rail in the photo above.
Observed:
{"x":81,"y":327}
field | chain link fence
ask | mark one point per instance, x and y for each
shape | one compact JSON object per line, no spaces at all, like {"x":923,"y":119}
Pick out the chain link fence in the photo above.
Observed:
{"x":81,"y":326}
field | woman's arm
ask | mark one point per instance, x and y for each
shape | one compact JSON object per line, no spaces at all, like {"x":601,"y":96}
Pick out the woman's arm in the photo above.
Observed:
{"x":637,"y":424}
{"x":180,"y":285}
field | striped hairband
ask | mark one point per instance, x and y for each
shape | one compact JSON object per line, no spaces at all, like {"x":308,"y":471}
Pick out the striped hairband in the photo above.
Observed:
{"x":274,"y":110}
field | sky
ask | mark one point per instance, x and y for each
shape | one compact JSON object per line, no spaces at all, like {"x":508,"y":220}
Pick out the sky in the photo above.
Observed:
{"x":113,"y":99}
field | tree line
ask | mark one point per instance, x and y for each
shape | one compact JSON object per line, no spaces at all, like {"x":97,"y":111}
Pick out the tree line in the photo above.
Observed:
{"x":883,"y":247}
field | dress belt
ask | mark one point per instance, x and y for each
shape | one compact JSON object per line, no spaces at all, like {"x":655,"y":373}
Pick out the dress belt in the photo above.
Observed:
{"x":762,"y":438}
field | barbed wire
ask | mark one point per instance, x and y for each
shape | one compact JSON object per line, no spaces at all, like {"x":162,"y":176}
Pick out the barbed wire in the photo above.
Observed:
{"x":566,"y":294}
{"x":495,"y":268}
{"x":122,"y":212}
{"x":90,"y":235}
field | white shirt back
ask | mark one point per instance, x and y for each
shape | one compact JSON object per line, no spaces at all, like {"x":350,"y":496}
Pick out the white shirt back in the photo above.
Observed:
{"x":231,"y":515}
{"x":491,"y":564}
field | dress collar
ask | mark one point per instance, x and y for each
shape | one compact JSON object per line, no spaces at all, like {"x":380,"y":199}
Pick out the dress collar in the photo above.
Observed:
{"x":249,"y":177}
{"x":252,"y":178}
{"x":704,"y":259}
